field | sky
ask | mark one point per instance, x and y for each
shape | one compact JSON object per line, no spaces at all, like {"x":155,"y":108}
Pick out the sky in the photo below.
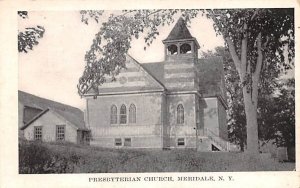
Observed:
{"x":52,"y":69}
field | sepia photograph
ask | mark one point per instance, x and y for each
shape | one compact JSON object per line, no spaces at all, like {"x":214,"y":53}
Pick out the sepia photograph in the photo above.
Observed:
{"x":156,"y":90}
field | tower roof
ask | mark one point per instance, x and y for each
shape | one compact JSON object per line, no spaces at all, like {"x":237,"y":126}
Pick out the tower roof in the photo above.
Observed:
{"x":179,"y":31}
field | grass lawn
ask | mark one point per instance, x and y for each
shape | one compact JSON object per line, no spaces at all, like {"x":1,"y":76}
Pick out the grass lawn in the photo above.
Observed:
{"x":99,"y":160}
{"x":102,"y":160}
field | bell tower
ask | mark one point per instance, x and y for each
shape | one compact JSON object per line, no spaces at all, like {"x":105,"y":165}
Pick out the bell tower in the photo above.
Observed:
{"x":180,"y":42}
{"x":181,"y":55}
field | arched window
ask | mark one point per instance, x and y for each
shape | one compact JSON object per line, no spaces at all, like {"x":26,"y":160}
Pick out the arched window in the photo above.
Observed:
{"x":180,"y":114}
{"x":113,"y":115}
{"x":123,"y":114}
{"x":132,"y":114}
{"x":172,"y":49}
{"x":185,"y":48}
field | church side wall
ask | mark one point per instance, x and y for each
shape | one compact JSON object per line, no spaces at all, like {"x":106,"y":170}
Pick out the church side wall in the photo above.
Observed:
{"x":145,"y":133}
{"x":222,"y":121}
{"x":212,"y":122}
{"x":209,"y":113}
{"x":186,"y":130}
{"x":164,"y":113}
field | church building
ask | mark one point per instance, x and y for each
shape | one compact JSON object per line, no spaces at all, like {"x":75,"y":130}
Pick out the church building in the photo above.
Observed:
{"x":177,"y":103}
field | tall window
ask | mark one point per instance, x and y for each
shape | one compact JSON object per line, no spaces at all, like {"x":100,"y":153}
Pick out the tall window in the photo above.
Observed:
{"x":113,"y":115}
{"x":60,"y":132}
{"x":132,"y":114}
{"x":180,"y":114}
{"x":123,"y":115}
{"x":38,"y":133}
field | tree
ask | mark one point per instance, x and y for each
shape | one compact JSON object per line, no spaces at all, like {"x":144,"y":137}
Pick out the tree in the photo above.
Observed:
{"x":28,"y":38}
{"x":282,"y":114}
{"x":271,"y":106}
{"x":253,"y":37}
{"x":277,"y":117}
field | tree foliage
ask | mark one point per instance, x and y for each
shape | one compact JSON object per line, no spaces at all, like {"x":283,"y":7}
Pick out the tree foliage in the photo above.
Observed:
{"x":279,"y":115}
{"x":90,"y":14}
{"x":275,"y":25}
{"x":28,"y":38}
{"x":274,"y":28}
{"x":255,"y":38}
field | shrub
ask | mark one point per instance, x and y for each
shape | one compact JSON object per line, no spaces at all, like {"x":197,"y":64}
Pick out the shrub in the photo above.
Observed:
{"x":37,"y":158}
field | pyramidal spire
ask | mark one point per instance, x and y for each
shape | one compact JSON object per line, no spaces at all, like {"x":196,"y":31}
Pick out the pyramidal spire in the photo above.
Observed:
{"x":179,"y":31}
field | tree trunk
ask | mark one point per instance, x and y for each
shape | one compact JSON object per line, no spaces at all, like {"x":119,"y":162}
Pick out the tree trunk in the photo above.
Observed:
{"x":250,"y":95}
{"x":252,"y":126}
{"x":250,"y":101}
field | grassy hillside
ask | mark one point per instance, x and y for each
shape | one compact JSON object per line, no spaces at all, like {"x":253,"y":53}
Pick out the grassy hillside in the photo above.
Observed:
{"x":69,"y":158}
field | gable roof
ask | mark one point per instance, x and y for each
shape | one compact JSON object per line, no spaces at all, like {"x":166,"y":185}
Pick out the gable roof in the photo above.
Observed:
{"x":147,"y":71}
{"x":156,"y":70}
{"x":37,"y":116}
{"x":179,"y":31}
{"x":71,"y":114}
{"x":30,"y":113}
{"x":211,"y":73}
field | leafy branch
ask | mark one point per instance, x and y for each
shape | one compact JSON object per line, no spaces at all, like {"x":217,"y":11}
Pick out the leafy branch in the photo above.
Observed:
{"x":28,"y":38}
